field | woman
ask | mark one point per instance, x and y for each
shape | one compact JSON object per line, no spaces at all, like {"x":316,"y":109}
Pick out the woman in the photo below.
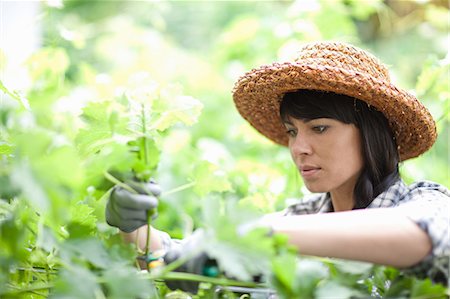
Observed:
{"x":347,"y":127}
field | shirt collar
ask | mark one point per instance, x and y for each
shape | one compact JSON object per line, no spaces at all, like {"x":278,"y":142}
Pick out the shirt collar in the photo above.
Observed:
{"x":391,"y":196}
{"x":388,"y":198}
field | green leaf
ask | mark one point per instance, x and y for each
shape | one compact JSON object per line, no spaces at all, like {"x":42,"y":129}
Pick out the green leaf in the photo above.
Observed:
{"x":177,"y":109}
{"x":5,"y":148}
{"x":76,"y":282}
{"x":425,"y":288}
{"x":99,"y":131}
{"x":309,"y":274}
{"x":89,"y":249}
{"x":82,"y":221}
{"x":83,"y":214}
{"x":13,"y":236}
{"x":284,"y":270}
{"x":240,"y":256}
{"x":46,"y":239}
{"x":126,"y":282}
{"x":114,"y":156}
{"x":208,"y":178}
{"x":352,"y":267}
{"x":32,"y":190}
{"x":49,"y":64}
{"x":331,"y":289}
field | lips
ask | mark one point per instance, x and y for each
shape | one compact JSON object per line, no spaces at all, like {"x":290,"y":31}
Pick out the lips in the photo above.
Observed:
{"x":309,"y":170}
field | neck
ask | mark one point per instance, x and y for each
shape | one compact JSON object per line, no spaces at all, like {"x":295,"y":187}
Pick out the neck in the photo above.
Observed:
{"x":342,"y":201}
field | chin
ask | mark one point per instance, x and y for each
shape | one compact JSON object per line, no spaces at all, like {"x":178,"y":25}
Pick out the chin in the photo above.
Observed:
{"x":316,"y":188}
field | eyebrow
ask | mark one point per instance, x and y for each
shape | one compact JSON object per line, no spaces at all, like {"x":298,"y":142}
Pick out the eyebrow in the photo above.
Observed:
{"x":304,"y":120}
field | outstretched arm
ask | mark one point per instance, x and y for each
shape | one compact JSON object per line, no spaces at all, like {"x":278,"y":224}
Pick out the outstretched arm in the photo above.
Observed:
{"x":380,"y":236}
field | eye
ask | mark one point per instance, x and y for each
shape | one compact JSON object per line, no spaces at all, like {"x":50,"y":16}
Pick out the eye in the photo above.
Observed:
{"x":320,"y":129}
{"x":291,"y":132}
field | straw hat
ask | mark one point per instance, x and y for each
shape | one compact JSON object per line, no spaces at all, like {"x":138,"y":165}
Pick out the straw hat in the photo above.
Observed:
{"x":342,"y":69}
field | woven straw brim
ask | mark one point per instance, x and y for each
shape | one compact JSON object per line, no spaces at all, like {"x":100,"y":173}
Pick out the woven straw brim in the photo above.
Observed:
{"x":258,"y":94}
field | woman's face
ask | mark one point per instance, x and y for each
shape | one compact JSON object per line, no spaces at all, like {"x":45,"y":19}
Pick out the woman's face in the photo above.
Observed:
{"x":327,"y":153}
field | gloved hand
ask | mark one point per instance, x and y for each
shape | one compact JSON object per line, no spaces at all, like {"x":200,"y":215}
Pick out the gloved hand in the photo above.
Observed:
{"x":128,"y":211}
{"x":198,"y":262}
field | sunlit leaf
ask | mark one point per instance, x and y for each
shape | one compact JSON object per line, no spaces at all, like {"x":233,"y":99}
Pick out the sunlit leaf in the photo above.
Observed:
{"x":332,"y":289}
{"x":125,"y":282}
{"x":69,"y":282}
{"x":208,"y":178}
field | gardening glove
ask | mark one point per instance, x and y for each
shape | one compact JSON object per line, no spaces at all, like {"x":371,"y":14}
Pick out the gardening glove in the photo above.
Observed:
{"x":128,"y":211}
{"x":197,"y":262}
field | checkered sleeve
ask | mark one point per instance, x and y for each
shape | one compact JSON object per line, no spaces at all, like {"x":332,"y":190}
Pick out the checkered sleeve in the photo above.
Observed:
{"x":429,"y":208}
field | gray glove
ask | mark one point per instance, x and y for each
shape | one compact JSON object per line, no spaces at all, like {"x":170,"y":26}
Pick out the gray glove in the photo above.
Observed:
{"x":128,"y":211}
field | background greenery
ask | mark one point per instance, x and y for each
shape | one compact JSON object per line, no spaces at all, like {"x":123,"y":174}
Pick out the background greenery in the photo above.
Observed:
{"x":54,"y":132}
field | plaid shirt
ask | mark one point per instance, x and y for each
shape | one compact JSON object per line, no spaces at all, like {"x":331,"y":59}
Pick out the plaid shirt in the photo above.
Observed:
{"x":425,"y":203}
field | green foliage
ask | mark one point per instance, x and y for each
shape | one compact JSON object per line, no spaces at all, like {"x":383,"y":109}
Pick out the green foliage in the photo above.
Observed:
{"x":102,"y":101}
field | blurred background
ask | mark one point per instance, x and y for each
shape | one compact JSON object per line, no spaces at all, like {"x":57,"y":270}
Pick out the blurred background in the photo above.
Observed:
{"x":89,"y":50}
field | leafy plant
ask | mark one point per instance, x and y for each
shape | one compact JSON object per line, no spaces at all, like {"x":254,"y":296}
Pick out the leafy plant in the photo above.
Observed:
{"x":91,"y":119}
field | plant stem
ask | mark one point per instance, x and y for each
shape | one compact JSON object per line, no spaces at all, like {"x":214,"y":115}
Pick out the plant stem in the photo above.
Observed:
{"x":116,"y":181}
{"x":37,"y":286}
{"x":144,"y":133}
{"x":144,"y":148}
{"x":178,"y":189}
{"x":149,"y":230}
{"x":15,"y":96}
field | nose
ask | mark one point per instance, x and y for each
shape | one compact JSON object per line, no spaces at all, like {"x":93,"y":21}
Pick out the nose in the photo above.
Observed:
{"x":300,"y":145}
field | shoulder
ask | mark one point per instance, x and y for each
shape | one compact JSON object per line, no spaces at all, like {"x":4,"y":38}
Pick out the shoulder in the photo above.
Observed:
{"x":426,"y":190}
{"x":428,"y":186}
{"x":310,"y":204}
{"x":400,"y":193}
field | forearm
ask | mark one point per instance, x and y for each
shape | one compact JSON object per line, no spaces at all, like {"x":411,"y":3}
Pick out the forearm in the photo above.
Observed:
{"x":378,"y":236}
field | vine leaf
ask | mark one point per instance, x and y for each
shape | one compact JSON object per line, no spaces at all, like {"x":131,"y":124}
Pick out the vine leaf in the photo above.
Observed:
{"x":181,"y":109}
{"x":242,"y":257}
{"x":208,"y":178}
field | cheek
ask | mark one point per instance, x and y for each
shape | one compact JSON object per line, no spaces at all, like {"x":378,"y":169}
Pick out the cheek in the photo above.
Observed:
{"x":347,"y":157}
{"x":352,"y":161}
{"x":291,"y":150}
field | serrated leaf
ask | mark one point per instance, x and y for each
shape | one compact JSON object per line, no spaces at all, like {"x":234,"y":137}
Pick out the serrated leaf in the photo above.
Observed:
{"x":98,"y":132}
{"x":82,"y":221}
{"x":113,"y":156}
{"x":182,"y":109}
{"x":421,"y":288}
{"x":83,"y":214}
{"x":89,"y":249}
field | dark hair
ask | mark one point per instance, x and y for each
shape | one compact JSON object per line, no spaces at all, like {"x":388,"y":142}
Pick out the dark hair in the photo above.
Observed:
{"x":378,"y":143}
